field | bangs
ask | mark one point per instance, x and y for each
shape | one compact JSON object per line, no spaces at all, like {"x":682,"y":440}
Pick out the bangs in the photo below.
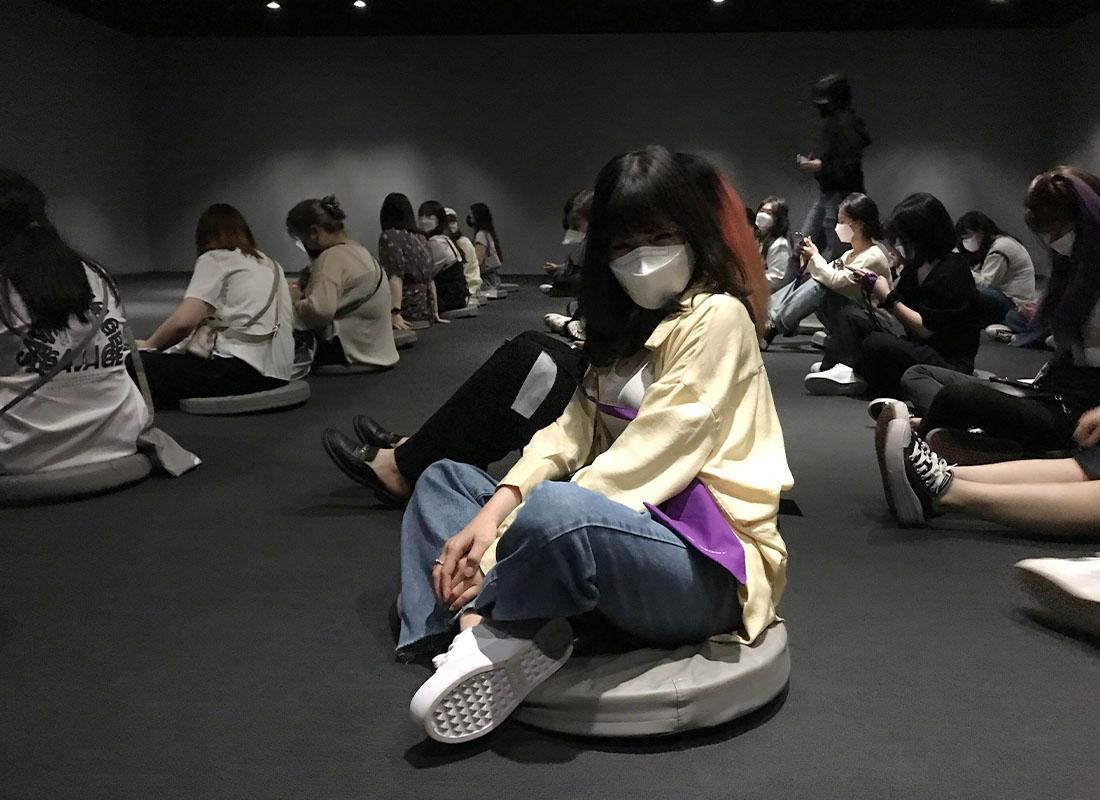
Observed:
{"x":632,"y":209}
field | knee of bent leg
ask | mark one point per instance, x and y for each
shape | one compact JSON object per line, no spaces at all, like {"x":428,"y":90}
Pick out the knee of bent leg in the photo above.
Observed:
{"x":549,"y":510}
{"x":441,"y":475}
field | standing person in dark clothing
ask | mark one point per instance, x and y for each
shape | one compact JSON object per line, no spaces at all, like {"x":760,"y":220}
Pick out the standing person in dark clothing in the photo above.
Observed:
{"x":836,"y":160}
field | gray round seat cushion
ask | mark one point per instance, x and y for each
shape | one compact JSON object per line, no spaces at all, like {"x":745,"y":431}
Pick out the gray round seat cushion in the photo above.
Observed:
{"x":465,"y":312}
{"x":657,"y":692}
{"x":403,"y":339}
{"x":293,"y":394}
{"x":348,"y":369}
{"x":73,"y":483}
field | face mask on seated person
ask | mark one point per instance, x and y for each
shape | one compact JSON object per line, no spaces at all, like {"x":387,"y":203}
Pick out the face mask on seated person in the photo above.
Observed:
{"x":972,"y":244}
{"x":764,"y":221}
{"x":1063,"y":245}
{"x":427,"y":224}
{"x":313,"y":252}
{"x":654,"y":276}
{"x":573,"y":236}
{"x":845,"y":232}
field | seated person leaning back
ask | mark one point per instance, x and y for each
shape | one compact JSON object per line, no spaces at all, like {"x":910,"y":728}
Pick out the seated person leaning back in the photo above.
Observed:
{"x":675,"y":421}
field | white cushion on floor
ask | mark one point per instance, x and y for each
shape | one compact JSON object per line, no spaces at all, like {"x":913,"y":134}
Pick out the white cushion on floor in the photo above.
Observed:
{"x":405,"y":339}
{"x":293,"y":394}
{"x":461,"y":313}
{"x":348,"y":369}
{"x":74,"y":482}
{"x":655,"y":692}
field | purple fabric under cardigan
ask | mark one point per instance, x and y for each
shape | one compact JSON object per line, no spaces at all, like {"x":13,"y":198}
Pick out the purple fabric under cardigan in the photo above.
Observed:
{"x":693,"y":515}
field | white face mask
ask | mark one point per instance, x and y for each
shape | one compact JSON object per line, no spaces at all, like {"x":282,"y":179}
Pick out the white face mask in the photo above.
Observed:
{"x":764,"y":220}
{"x":845,"y":232}
{"x":573,"y":237}
{"x":653,"y":276}
{"x":1063,"y":245}
{"x":972,"y":244}
{"x":427,"y":224}
{"x":900,"y":248}
{"x":452,"y":226}
{"x":300,"y":246}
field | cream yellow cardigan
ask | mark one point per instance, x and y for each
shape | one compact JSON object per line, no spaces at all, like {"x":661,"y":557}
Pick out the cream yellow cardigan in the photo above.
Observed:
{"x":708,"y":414}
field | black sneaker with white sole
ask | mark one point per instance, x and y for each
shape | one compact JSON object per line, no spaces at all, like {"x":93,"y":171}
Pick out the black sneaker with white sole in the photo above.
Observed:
{"x":913,"y":476}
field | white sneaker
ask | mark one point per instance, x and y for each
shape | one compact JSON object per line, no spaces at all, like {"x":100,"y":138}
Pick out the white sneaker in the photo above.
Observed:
{"x":1067,"y":587}
{"x":820,"y":340}
{"x":546,"y":288}
{"x":1000,"y":333}
{"x":556,"y":323}
{"x":875,"y":407}
{"x":815,"y":367}
{"x":481,"y":299}
{"x":484,"y":676}
{"x":496,"y":294}
{"x":841,"y":380}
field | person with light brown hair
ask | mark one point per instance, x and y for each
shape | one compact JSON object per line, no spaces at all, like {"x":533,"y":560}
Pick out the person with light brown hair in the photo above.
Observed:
{"x":231,"y":334}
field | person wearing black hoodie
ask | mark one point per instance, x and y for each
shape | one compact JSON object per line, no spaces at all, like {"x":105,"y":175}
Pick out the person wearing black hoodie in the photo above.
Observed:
{"x":836,"y":160}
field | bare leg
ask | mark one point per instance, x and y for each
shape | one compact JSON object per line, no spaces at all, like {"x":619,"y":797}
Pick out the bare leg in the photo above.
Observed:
{"x":469,"y":620}
{"x":1055,"y":508}
{"x":385,"y":468}
{"x":1043,"y":470}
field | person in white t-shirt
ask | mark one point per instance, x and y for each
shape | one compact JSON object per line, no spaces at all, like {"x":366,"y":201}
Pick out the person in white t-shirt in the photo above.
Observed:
{"x":50,"y":299}
{"x":233,"y":332}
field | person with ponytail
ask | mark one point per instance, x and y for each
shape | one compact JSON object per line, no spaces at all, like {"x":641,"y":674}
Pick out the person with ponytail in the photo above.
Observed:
{"x":56,"y":305}
{"x":346,"y":302}
{"x":652,"y":500}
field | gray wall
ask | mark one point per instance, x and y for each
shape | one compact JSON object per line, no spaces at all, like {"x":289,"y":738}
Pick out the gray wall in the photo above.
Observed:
{"x":72,"y":122}
{"x":263,"y":123}
{"x":517,"y":122}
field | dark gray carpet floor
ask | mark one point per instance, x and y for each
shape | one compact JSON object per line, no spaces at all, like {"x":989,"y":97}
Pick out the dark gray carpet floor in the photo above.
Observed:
{"x":224,"y":635}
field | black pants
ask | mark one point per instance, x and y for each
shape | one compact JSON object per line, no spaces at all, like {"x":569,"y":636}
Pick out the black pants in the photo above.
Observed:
{"x":480,"y":423}
{"x":451,"y":288}
{"x":880,"y":357}
{"x":178,"y":376}
{"x":1038,"y":425}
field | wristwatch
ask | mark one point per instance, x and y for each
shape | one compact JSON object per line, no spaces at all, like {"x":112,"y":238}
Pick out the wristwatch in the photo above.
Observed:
{"x":395,"y":311}
{"x":889,"y":301}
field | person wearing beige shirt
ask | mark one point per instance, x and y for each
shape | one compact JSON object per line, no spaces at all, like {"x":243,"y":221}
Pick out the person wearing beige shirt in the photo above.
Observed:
{"x":676,"y":413}
{"x":346,"y":300}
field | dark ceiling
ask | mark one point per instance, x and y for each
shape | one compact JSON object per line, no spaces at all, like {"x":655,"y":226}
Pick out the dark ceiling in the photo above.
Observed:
{"x":396,"y":17}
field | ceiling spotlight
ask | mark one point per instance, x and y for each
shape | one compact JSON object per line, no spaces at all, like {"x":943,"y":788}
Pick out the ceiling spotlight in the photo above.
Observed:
{"x":274,"y":6}
{"x":719,"y":2}
{"x":360,"y":4}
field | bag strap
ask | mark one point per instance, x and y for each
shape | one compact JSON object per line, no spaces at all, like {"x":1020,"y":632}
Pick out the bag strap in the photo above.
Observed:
{"x":66,"y":361}
{"x":356,"y":304}
{"x":242,"y":334}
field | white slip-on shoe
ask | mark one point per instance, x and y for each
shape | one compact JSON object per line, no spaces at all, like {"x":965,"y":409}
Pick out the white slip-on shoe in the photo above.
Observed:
{"x":484,"y":676}
{"x":839,"y":380}
{"x":820,"y":340}
{"x":546,"y":288}
{"x":815,"y":367}
{"x":1000,"y":333}
{"x":1069,"y":588}
{"x":556,"y":323}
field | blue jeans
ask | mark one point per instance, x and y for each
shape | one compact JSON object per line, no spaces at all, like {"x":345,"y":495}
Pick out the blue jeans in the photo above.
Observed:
{"x":820,"y":224}
{"x":788,"y":306}
{"x":994,"y":305}
{"x":569,"y":551}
